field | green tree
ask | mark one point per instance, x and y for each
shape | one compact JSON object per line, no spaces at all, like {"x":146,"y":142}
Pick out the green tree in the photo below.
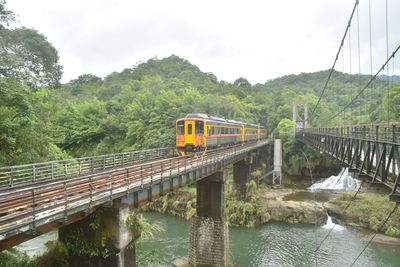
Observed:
{"x":6,"y":16}
{"x":80,"y":127}
{"x":24,"y":137}
{"x":285,"y":128}
{"x":392,"y":104}
{"x":242,"y":82}
{"x":27,"y":56}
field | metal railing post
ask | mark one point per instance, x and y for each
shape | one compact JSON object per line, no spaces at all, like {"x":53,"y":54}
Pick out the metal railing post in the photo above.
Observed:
{"x":33,"y":173}
{"x":52,"y":170}
{"x":33,"y":208}
{"x":66,"y":201}
{"x":141,"y":176}
{"x":111,"y":186}
{"x":90,"y":192}
{"x":128,"y":181}
{"x":65,"y":169}
{"x":151,"y":173}
{"x":162,"y":170}
{"x":11,"y":177}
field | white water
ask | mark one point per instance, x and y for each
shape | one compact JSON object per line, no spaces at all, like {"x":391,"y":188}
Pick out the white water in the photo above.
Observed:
{"x":331,"y":225}
{"x":343,"y":182}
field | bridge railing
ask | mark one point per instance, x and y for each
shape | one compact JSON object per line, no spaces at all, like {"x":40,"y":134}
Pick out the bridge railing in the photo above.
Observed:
{"x":37,"y":172}
{"x":384,"y":132}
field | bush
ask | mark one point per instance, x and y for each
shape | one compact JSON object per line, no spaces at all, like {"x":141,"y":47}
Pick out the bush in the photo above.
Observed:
{"x":56,"y":256}
{"x":371,"y":210}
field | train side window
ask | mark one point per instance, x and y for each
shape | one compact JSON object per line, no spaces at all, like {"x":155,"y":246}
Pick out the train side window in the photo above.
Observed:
{"x":180,"y":125}
{"x":189,"y":129}
{"x":199,"y":127}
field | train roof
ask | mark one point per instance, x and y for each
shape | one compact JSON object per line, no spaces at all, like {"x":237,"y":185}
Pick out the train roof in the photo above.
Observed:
{"x":219,"y":119}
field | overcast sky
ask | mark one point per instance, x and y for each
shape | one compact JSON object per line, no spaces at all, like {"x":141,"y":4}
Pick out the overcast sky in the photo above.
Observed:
{"x":258,"y":40}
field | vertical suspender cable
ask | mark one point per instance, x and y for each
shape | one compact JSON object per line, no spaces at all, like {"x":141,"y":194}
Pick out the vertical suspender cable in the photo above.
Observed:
{"x":387,"y":57}
{"x":344,"y":81}
{"x":359,"y":59}
{"x":350,"y":72}
{"x":372,"y":94}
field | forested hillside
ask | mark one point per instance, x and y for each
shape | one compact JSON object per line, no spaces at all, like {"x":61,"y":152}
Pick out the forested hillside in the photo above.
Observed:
{"x":136,"y":108}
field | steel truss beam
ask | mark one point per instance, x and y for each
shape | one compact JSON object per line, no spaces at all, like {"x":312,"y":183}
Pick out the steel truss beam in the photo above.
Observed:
{"x":373,"y":150}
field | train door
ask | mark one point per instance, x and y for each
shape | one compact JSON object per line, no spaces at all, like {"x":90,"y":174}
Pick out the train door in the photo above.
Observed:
{"x":243,"y":134}
{"x":189,"y":130}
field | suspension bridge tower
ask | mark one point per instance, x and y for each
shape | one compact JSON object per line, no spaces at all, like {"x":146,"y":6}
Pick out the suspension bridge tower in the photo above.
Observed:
{"x":300,"y":115}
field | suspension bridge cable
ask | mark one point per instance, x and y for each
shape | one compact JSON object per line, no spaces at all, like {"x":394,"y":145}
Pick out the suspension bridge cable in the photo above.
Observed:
{"x":373,"y":236}
{"x":367,"y":85}
{"x":334,"y":62}
{"x":344,"y":210}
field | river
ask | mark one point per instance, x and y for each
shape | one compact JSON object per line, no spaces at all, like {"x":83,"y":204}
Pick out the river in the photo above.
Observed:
{"x":272,"y":244}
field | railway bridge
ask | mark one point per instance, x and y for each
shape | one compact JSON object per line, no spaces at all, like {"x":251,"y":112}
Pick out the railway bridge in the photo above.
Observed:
{"x":38,"y":198}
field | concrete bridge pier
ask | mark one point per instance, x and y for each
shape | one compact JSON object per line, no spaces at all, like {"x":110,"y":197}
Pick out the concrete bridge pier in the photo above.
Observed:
{"x":208,"y":245}
{"x":102,"y":239}
{"x":241,"y":176}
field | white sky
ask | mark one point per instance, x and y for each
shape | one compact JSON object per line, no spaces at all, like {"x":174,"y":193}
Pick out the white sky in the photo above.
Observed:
{"x":255,"y":39}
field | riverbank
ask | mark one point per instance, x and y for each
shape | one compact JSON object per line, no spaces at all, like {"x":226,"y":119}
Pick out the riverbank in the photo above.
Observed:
{"x":366,"y":210}
{"x":266,"y":205}
{"x":277,"y":205}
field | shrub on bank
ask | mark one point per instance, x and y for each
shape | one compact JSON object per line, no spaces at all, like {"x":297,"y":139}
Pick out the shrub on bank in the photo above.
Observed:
{"x":370,"y":210}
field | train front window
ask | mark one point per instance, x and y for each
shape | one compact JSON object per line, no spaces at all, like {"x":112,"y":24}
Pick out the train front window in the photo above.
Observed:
{"x":199,"y":127}
{"x":180,"y":125}
{"x":189,"y":129}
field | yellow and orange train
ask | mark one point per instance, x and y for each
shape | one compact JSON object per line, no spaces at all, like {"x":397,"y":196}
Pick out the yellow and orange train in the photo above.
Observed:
{"x":197,"y":132}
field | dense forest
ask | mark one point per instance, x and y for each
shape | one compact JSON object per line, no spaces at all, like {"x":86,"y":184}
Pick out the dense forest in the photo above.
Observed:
{"x":42,"y":119}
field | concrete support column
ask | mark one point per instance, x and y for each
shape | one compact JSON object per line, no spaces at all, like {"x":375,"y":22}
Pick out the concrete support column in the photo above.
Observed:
{"x":208,"y":245}
{"x":101,"y":239}
{"x":241,"y":176}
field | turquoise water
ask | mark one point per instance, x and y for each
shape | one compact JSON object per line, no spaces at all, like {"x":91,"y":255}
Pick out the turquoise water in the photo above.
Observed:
{"x":273,"y":244}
